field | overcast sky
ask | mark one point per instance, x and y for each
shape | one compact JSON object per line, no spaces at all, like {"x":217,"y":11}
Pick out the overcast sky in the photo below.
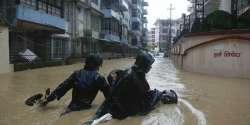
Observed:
{"x":158,"y":9}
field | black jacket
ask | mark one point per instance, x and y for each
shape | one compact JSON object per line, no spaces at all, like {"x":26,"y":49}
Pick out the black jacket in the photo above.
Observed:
{"x":85,"y":85}
{"x":131,"y":95}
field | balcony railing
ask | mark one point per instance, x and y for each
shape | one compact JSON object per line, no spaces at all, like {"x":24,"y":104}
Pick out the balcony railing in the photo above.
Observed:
{"x":110,"y":36}
{"x":144,"y":20}
{"x":123,"y":5}
{"x":144,"y":12}
{"x":108,"y":13}
{"x":145,"y":3}
{"x":29,"y":14}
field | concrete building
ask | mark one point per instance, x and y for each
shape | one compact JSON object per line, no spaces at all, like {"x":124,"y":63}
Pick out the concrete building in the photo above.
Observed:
{"x":84,"y":25}
{"x":223,"y":53}
{"x":139,"y":22}
{"x":162,"y":33}
{"x":112,"y":28}
{"x":32,"y":26}
{"x":151,"y":35}
{"x":151,"y":44}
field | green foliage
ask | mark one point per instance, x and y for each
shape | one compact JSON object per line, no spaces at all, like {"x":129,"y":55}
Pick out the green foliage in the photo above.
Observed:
{"x":244,"y":20}
{"x":219,"y":20}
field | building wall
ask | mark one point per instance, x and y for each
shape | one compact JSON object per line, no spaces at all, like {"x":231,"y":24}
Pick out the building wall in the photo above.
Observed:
{"x":4,"y":50}
{"x":226,"y":58}
{"x":223,"y":54}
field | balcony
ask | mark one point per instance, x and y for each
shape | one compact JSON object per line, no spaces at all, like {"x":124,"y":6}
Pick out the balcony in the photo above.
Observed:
{"x":136,"y":19}
{"x":144,"y":3}
{"x":107,"y":36}
{"x":144,"y":12}
{"x":109,"y":13}
{"x":95,"y":34}
{"x":144,"y":20}
{"x":96,"y":6}
{"x":85,"y":1}
{"x":123,"y":5}
{"x":32,"y":18}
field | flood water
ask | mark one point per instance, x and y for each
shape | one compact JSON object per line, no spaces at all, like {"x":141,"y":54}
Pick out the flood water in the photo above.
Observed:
{"x":204,"y":100}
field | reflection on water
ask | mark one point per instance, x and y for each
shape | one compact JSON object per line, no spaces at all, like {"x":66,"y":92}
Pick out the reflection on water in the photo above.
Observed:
{"x":204,"y":99}
{"x":164,"y":76}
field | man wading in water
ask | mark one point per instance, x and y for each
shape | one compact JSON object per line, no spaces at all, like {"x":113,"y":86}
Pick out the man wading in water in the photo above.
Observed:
{"x":130,"y":92}
{"x":85,"y":83}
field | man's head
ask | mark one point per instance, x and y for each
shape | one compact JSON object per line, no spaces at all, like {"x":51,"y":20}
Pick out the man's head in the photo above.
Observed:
{"x":93,"y":62}
{"x":144,"y":61}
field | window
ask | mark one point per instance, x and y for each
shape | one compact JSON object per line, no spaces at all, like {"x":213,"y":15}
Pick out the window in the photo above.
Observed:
{"x":165,"y":30}
{"x":134,"y":13}
{"x":95,"y":1}
{"x":136,"y":26}
{"x":134,"y":1}
{"x":29,"y":2}
{"x":58,"y":48}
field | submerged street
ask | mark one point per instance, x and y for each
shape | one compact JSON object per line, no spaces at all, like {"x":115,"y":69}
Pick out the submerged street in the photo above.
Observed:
{"x":204,"y":100}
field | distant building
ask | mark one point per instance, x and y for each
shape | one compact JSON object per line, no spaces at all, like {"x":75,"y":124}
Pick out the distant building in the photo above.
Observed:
{"x":243,"y":5}
{"x":162,"y":33}
{"x":139,"y":22}
{"x":84,"y":25}
{"x":151,"y":39}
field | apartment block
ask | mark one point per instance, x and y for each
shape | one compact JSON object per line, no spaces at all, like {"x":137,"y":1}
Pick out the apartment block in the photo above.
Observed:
{"x":34,"y":25}
{"x":139,"y":22}
{"x":163,"y":35}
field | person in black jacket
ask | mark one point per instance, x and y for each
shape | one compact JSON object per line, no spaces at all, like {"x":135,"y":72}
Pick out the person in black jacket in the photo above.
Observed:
{"x":130,"y":92}
{"x":85,"y":83}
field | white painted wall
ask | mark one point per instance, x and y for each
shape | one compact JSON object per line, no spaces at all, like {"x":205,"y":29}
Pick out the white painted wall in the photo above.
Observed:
{"x":4,"y":50}
{"x":202,"y":59}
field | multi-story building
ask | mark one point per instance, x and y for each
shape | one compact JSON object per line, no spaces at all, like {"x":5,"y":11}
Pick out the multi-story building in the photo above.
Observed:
{"x":139,"y":22}
{"x":151,"y":39}
{"x":33,"y":24}
{"x":151,"y":35}
{"x":145,"y":22}
{"x":84,"y":27}
{"x":163,"y":35}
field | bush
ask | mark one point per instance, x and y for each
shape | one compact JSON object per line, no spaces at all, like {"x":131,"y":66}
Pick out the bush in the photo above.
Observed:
{"x":244,"y":20}
{"x":219,"y":20}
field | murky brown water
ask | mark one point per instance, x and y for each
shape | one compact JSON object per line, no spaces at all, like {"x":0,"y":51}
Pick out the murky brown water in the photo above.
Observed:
{"x":205,"y":100}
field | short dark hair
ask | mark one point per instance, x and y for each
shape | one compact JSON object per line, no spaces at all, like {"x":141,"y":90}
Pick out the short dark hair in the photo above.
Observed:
{"x":93,"y":61}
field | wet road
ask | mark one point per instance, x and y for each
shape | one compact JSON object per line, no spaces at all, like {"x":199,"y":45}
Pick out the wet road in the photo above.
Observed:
{"x":205,"y":100}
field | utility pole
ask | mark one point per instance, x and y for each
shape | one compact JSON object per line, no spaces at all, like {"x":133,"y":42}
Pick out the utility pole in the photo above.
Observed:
{"x":170,"y":30}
